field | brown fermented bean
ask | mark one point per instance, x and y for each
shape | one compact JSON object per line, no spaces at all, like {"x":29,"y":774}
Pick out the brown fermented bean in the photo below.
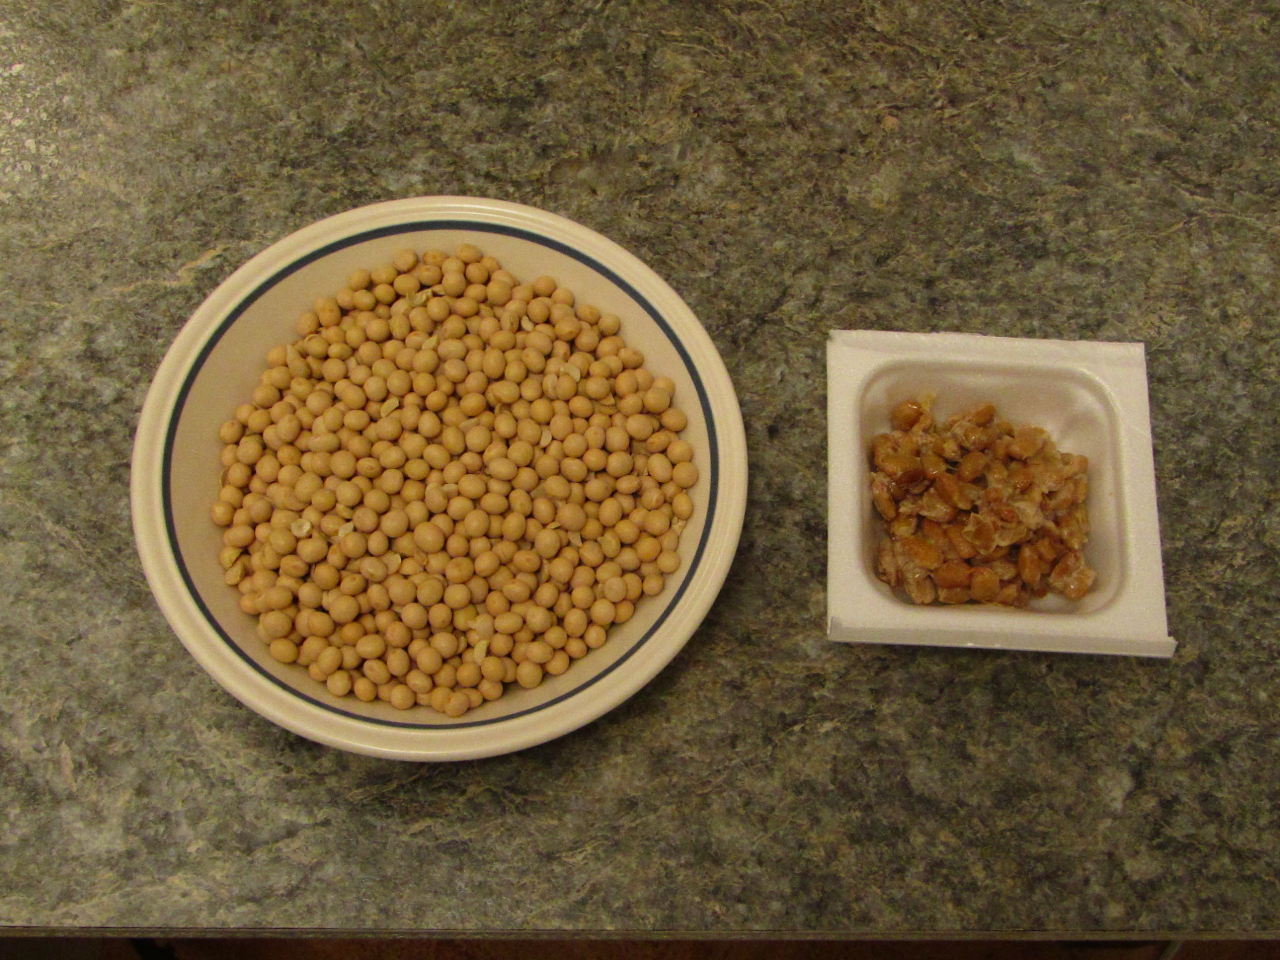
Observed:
{"x":953,"y":573}
{"x":1026,"y":442}
{"x":1029,"y":566}
{"x":962,"y":547}
{"x":934,"y":466}
{"x":923,"y":553}
{"x":905,"y":415}
{"x":971,"y":466}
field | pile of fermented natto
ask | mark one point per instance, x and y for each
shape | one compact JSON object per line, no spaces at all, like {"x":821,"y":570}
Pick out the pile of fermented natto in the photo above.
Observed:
{"x":450,"y":482}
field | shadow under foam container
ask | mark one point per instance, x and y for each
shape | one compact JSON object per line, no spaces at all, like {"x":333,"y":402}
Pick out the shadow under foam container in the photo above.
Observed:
{"x":1091,"y":398}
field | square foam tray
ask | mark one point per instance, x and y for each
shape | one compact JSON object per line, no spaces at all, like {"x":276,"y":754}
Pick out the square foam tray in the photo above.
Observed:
{"x":1091,"y":398}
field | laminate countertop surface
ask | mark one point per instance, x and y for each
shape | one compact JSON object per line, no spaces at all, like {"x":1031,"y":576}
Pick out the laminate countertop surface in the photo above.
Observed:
{"x":1043,"y":169}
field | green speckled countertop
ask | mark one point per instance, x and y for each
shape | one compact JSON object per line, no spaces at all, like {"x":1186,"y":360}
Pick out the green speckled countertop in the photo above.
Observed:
{"x":1042,"y":169}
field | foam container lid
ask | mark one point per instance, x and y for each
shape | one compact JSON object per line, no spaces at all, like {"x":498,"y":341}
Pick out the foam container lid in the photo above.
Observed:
{"x":1092,"y":399}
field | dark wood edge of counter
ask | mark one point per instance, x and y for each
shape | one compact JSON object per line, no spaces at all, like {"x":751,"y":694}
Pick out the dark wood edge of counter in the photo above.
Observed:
{"x":273,"y":933}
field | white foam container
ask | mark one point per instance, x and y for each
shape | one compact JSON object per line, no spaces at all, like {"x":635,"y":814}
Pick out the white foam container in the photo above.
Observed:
{"x":1092,"y":399}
